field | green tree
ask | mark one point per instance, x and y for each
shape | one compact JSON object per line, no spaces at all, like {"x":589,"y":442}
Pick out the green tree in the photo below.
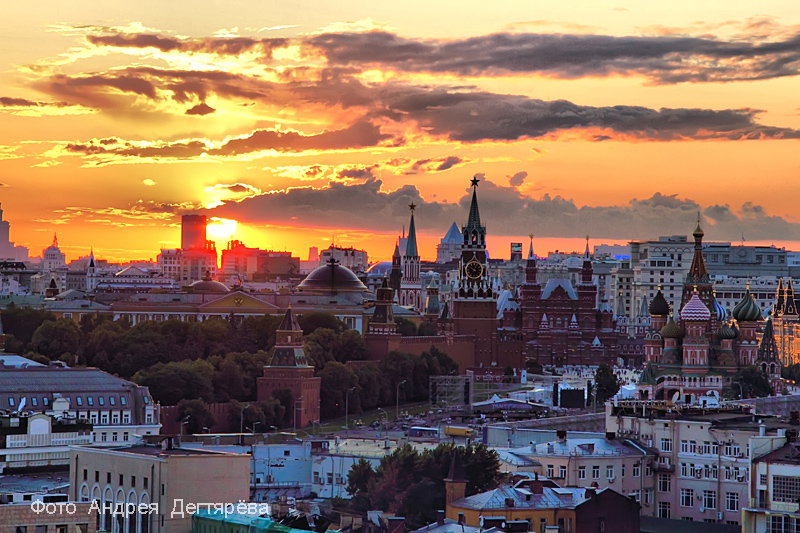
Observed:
{"x":395,"y":368}
{"x":286,"y":400}
{"x":427,"y":329}
{"x":22,"y":323}
{"x":310,"y":322}
{"x":754,"y":382}
{"x":55,"y":339}
{"x":605,"y":382}
{"x":320,"y":346}
{"x":196,"y":414}
{"x":171,"y":382}
{"x":791,"y":372}
{"x":405,"y":327}
{"x":103,"y":339}
{"x":335,"y":380}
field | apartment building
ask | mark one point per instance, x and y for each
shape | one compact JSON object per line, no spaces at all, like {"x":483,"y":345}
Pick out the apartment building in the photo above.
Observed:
{"x":774,"y":499}
{"x":702,"y":470}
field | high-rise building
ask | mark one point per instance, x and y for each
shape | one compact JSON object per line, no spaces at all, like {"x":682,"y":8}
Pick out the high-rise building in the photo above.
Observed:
{"x":193,"y":232}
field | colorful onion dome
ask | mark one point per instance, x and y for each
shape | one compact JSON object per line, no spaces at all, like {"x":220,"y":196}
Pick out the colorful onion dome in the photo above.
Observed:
{"x":727,"y":332}
{"x":719,"y":311}
{"x":672,"y":330}
{"x":695,"y":310}
{"x":659,"y":305}
{"x":747,"y":309}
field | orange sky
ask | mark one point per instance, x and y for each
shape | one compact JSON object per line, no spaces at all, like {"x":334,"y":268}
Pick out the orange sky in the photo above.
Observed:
{"x":307,"y":121}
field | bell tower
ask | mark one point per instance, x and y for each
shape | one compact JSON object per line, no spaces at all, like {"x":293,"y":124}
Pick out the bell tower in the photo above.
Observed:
{"x":474,"y":303}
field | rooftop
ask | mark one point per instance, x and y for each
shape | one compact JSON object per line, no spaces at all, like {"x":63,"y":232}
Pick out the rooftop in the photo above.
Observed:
{"x":505,"y":497}
{"x":34,"y":483}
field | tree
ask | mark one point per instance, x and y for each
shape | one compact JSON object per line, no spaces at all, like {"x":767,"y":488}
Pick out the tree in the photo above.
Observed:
{"x":335,"y":380}
{"x":55,"y":339}
{"x":286,"y":399}
{"x":198,"y":413}
{"x":405,"y":327}
{"x":102,"y":339}
{"x":310,"y":322}
{"x":427,"y":329}
{"x":605,"y":382}
{"x":22,"y":323}
{"x":753,"y":381}
{"x":791,"y":372}
{"x":170,"y":383}
{"x":395,"y":368}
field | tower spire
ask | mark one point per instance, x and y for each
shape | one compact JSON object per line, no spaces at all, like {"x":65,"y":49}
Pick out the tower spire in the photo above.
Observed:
{"x":55,"y":239}
{"x":411,"y":243}
{"x":474,"y":215}
{"x":530,"y":252}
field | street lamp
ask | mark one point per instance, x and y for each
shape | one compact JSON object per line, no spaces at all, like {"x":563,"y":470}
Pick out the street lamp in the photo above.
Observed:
{"x":397,"y":397}
{"x":741,"y":391}
{"x":241,"y":417}
{"x":300,"y":399}
{"x":347,"y":410}
{"x":184,"y":421}
{"x":254,"y":426}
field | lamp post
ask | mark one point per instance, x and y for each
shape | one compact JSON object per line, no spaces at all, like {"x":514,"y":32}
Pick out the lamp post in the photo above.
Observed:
{"x":741,"y":391}
{"x":397,"y":397}
{"x":184,"y":421}
{"x":300,"y":399}
{"x":241,"y":417}
{"x":347,"y":410}
{"x":254,"y":426}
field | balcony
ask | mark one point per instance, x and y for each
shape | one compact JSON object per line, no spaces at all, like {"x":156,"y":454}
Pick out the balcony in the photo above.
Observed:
{"x":663,"y":467}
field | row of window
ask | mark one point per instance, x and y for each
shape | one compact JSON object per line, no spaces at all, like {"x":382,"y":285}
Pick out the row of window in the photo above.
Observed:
{"x":145,"y":480}
{"x":57,"y":528}
{"x":709,"y":499}
{"x":114,"y":436}
{"x":101,"y":401}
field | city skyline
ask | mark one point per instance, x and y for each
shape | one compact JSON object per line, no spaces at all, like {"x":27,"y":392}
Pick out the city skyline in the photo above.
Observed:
{"x":300,"y":123}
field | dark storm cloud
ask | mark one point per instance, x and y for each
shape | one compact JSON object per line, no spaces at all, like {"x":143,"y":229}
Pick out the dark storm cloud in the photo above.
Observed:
{"x":479,"y":116}
{"x":359,"y":135}
{"x":6,"y":101}
{"x":200,"y":109}
{"x":427,"y":166}
{"x":517,"y":179}
{"x":220,"y":46}
{"x":505,"y":212}
{"x":663,"y":59}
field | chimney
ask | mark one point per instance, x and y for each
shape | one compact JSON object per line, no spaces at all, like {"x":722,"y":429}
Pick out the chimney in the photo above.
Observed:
{"x":509,"y":502}
{"x":591,"y":493}
{"x":562,"y":435}
{"x":440,"y":518}
{"x":610,"y":435}
{"x":590,"y":447}
{"x":397,"y":524}
{"x":461,"y":519}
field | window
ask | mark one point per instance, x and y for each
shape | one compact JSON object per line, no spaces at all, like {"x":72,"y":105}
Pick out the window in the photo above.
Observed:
{"x":637,"y":470}
{"x":101,"y":400}
{"x":144,"y":481}
{"x":562,"y":472}
{"x":330,"y":478}
{"x":785,"y":489}
{"x":79,"y":400}
{"x":596,"y":472}
{"x":108,"y":477}
{"x":666,"y":445}
{"x":11,"y":401}
{"x":104,"y":419}
{"x":90,"y":400}
{"x":61,"y":528}
{"x":126,"y":436}
{"x":762,"y":479}
{"x":663,"y":510}
{"x":692,"y":446}
{"x":664,"y":483}
{"x":97,"y":476}
{"x":114,"y":436}
{"x":45,"y":401}
{"x":112,"y":400}
{"x":123,"y":400}
{"x":609,"y":471}
{"x":687,"y":497}
{"x":85,"y":474}
{"x":731,"y":501}
{"x":115,"y":418}
{"x":731,"y":450}
{"x":648,"y":469}
{"x":581,"y":472}
{"x":133,"y":482}
{"x":121,"y":479}
{"x":710,"y":499}
{"x":550,"y":473}
{"x":103,"y":437}
{"x":126,"y":418}
{"x":684,"y":470}
{"x":684,"y":446}
{"x":34,"y":401}
{"x":21,"y":529}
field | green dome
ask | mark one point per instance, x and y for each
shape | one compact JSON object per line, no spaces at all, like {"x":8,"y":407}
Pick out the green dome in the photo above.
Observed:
{"x":672,"y":330}
{"x":727,"y":332}
{"x":747,"y":309}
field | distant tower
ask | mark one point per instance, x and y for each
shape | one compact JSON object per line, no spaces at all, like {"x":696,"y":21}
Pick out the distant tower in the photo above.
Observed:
{"x":6,"y":248}
{"x":410,"y":288}
{"x":91,"y":273}
{"x":697,"y":277}
{"x":289,"y":369}
{"x":455,"y":484}
{"x":396,"y":275}
{"x":193,"y":232}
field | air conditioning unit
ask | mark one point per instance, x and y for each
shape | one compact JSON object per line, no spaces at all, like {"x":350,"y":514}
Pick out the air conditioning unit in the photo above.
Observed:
{"x":611,"y":479}
{"x":741,"y":478}
{"x":702,"y":509}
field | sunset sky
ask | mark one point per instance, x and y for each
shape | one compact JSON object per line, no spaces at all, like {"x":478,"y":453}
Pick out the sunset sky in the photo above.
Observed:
{"x":298,"y":122}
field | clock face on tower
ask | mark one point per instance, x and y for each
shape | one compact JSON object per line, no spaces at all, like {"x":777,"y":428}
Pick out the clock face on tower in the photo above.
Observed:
{"x":473,"y":269}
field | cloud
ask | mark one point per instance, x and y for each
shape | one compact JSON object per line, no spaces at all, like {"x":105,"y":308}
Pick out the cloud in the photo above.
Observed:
{"x":517,"y":179}
{"x":148,"y":182}
{"x":429,"y":166}
{"x":220,"y":45}
{"x":200,"y":109}
{"x":505,"y":211}
{"x":662,"y":59}
{"x":113,"y":149}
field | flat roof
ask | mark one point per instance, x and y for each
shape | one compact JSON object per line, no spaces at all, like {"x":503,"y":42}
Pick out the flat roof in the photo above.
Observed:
{"x":34,"y":483}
